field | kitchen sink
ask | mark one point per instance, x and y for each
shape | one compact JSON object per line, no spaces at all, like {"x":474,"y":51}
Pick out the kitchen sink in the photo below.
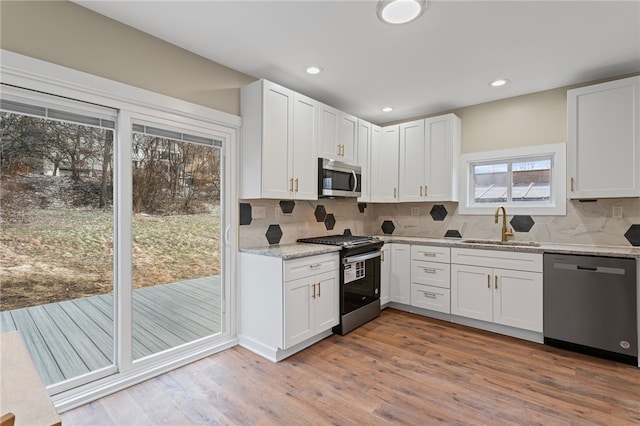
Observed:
{"x":503,"y":243}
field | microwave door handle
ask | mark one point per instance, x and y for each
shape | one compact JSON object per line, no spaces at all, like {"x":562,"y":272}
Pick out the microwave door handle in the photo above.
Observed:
{"x":355,"y":181}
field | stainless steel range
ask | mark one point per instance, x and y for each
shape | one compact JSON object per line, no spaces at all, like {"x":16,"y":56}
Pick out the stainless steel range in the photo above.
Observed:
{"x":359,"y":278}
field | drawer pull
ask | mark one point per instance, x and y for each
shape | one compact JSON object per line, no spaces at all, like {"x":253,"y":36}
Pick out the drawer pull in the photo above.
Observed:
{"x":430,"y":295}
{"x":315,"y":265}
{"x":429,"y":270}
{"x":496,"y":281}
{"x":488,"y":281}
{"x":429,"y":254}
{"x":318,"y":289}
{"x":314,"y":291}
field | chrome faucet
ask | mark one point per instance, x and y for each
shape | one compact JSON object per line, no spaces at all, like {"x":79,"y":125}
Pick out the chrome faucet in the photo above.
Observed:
{"x":505,"y":233}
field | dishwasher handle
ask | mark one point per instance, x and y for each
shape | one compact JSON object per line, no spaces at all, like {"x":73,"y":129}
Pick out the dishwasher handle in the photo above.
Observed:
{"x":597,"y":269}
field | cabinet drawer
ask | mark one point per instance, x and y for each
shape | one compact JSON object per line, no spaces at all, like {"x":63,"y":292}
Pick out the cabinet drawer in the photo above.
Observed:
{"x":431,"y":254}
{"x":307,"y":266}
{"x":431,"y":273}
{"x":520,"y":261}
{"x":428,"y":297}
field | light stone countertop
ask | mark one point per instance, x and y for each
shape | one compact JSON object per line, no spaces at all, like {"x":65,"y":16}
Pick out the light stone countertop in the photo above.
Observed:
{"x":608,"y":251}
{"x":297,"y":250}
{"x":292,"y":251}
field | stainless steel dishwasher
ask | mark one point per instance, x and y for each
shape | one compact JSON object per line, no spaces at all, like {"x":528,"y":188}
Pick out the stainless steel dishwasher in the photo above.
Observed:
{"x":590,"y":305}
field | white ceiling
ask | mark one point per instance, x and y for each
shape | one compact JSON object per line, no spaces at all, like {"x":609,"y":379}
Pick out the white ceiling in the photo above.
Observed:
{"x":442,"y":61}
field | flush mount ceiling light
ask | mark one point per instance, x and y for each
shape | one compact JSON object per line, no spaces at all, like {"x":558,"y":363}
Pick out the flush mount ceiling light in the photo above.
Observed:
{"x":499,"y":82}
{"x":314,"y":70}
{"x":387,"y":109}
{"x":400,"y":11}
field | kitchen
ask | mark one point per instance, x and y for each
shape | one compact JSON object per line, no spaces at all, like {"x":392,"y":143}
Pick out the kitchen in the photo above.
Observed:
{"x":584,"y":223}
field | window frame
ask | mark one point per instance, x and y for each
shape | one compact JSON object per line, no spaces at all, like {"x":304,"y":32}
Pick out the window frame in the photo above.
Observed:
{"x":557,"y":205}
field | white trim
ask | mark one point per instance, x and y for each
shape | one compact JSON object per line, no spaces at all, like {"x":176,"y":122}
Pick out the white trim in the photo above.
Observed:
{"x":558,"y":204}
{"x":133,"y":103}
{"x":34,"y":74}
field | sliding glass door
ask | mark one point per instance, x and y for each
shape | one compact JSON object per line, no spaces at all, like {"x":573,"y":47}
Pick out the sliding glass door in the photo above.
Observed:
{"x":177,"y":188}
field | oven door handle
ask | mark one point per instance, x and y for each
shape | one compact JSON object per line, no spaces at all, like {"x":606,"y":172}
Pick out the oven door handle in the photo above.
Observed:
{"x":362,"y":257}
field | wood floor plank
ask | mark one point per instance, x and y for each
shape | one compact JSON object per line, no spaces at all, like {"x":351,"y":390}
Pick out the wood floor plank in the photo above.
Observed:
{"x":399,"y":369}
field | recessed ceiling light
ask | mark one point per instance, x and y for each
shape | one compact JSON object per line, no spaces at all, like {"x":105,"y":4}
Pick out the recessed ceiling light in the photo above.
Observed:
{"x":400,"y":11}
{"x":314,"y":70}
{"x":387,"y":109}
{"x":499,"y":82}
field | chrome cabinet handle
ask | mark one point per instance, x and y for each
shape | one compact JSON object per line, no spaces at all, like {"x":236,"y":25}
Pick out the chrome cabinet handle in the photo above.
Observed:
{"x":429,"y":270}
{"x":429,"y":294}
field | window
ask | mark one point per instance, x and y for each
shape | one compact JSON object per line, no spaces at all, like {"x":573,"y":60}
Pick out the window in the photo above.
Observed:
{"x":526,"y":180}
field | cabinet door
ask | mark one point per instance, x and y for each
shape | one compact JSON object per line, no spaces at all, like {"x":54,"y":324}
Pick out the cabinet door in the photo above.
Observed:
{"x":303,"y":153}
{"x":328,"y":129}
{"x":299,"y":323}
{"x":348,"y":138}
{"x":517,"y":299}
{"x":400,"y":289}
{"x":603,"y":144}
{"x":384,"y":169}
{"x":412,"y":161}
{"x":276,"y":141}
{"x":471,"y":293}
{"x":385,"y":274}
{"x":439,"y":174}
{"x":364,"y":158}
{"x":327,"y":301}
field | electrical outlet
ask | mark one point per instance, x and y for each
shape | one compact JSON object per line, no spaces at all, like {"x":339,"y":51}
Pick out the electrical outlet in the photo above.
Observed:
{"x":415,"y":211}
{"x":258,"y":212}
{"x":616,"y":212}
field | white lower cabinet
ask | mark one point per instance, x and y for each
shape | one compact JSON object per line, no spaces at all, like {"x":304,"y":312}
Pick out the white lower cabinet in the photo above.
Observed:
{"x":385,"y":274}
{"x":309,"y":307}
{"x":431,"y":279}
{"x":400,"y":288}
{"x":287,"y":305}
{"x":510,"y":297}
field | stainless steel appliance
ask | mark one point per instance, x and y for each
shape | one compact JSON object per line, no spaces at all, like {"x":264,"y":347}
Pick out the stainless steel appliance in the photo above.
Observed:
{"x":359,"y":278}
{"x":338,"y":179}
{"x":590,"y":305}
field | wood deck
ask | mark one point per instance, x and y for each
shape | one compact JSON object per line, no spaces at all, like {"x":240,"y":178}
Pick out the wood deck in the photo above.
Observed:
{"x":74,"y":337}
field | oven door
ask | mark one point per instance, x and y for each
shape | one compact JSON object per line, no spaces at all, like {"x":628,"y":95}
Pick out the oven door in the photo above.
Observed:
{"x":361,"y":281}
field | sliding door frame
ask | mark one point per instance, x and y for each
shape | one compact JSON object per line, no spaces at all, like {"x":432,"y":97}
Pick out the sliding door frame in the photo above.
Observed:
{"x":134,"y":103}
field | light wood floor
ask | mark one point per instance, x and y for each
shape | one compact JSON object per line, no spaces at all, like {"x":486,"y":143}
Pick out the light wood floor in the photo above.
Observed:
{"x":397,"y":369}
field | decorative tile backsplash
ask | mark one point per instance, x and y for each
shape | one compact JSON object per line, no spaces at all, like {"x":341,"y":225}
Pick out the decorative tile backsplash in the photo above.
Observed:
{"x":585,"y":222}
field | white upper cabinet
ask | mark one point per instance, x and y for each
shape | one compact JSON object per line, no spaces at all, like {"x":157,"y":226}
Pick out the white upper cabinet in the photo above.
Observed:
{"x":279,"y":146}
{"x":337,"y":135}
{"x":385,"y":151}
{"x":429,"y":157}
{"x":603,"y":141}
{"x":364,"y":157}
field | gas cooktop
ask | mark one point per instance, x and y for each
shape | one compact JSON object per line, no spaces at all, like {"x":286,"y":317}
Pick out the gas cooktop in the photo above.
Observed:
{"x":341,"y":240}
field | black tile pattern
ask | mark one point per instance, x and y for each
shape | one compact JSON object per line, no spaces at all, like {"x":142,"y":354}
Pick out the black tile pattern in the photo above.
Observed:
{"x":362,"y":206}
{"x":287,"y":206}
{"x":633,"y":235}
{"x":329,"y":222}
{"x":274,"y":234}
{"x":522,"y":223}
{"x":320,"y":213}
{"x":245,"y":214}
{"x":438,"y":212}
{"x":452,"y":233}
{"x":347,"y":232}
{"x":388,"y":227}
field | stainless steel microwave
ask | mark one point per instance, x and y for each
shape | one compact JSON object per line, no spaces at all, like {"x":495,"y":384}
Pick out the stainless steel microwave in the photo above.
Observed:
{"x":338,"y":179}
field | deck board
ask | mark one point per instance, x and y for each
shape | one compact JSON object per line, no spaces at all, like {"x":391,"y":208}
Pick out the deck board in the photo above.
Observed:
{"x":74,"y":337}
